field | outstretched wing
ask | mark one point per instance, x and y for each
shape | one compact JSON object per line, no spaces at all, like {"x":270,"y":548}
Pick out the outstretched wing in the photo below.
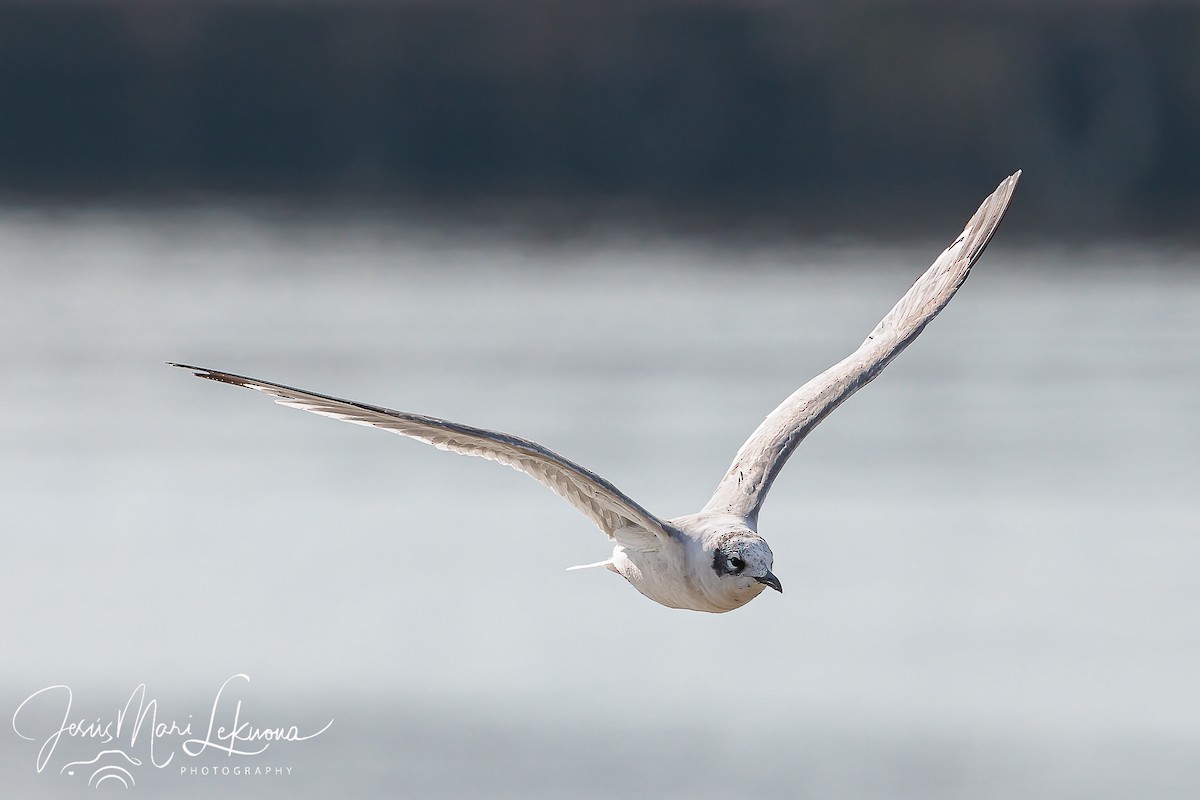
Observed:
{"x":759,"y":460}
{"x":598,"y":499}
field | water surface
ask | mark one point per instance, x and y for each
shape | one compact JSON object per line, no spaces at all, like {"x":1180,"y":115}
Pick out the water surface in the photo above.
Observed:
{"x":990,"y":554}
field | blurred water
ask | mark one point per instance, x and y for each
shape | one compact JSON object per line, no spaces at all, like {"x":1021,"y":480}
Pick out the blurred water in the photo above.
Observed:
{"x":990,"y":554}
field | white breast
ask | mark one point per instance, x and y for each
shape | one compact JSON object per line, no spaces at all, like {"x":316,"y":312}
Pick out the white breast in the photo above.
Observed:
{"x":675,"y":578}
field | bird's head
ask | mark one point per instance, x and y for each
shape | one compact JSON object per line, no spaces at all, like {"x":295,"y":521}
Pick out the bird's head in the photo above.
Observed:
{"x":743,"y":560}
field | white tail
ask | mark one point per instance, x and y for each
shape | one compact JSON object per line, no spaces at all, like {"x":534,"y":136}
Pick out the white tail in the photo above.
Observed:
{"x":605,"y":563}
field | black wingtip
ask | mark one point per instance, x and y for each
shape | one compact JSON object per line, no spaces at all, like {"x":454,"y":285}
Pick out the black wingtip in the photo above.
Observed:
{"x":228,"y":377}
{"x":200,"y":372}
{"x":212,"y":374}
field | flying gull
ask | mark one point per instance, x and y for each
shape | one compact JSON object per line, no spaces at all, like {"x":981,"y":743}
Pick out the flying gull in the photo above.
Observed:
{"x":713,"y":560}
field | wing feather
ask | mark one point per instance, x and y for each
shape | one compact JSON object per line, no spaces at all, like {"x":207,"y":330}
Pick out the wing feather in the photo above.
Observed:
{"x":599,"y":500}
{"x":746,"y":483}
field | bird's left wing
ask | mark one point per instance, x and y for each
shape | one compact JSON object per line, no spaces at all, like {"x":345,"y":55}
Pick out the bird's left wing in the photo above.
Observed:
{"x":759,"y":460}
{"x":598,"y":499}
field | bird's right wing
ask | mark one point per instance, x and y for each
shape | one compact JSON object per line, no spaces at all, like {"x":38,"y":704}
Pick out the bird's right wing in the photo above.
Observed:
{"x":599,"y":500}
{"x":760,"y":459}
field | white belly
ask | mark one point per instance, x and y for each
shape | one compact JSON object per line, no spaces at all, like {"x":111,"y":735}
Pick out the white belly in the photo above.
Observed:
{"x":667,"y":577}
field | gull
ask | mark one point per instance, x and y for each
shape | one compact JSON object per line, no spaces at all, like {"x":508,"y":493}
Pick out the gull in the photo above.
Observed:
{"x":713,"y":560}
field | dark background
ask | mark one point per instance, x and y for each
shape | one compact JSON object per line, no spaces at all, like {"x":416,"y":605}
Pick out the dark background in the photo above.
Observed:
{"x":814,"y":114}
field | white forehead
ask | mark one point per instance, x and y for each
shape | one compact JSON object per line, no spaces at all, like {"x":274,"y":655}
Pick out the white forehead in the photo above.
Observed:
{"x":756,"y":551}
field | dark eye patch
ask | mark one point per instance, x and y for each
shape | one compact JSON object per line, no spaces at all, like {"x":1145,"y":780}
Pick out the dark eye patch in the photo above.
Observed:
{"x":724,"y":565}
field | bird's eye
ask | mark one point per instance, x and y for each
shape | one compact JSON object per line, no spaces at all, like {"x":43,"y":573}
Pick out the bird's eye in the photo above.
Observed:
{"x":737,"y":564}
